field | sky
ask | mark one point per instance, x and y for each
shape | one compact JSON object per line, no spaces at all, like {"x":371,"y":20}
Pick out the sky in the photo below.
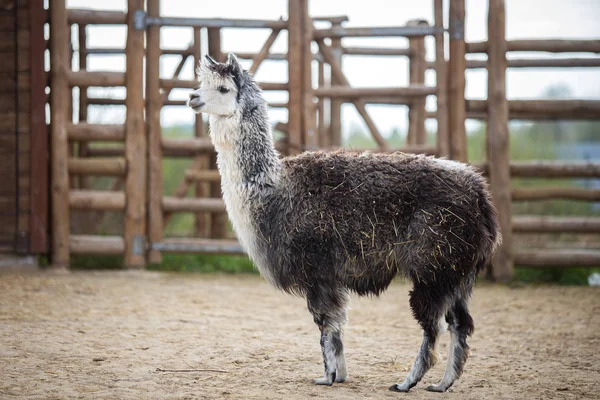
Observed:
{"x":526,"y":19}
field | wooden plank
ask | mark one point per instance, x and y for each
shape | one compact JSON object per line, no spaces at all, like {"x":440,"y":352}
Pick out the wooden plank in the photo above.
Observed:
{"x":309,"y":121}
{"x":550,"y":169}
{"x":97,"y":17}
{"x":201,"y":227}
{"x":202,"y":175}
{"x":59,"y":57}
{"x":456,"y":82}
{"x":344,"y":91}
{"x":190,"y":204}
{"x":187,"y":245}
{"x":96,"y":78}
{"x":84,"y":131}
{"x":545,"y":109}
{"x":498,"y":147}
{"x":335,"y":126}
{"x":195,"y":145}
{"x":218,"y":220}
{"x":155,"y":154}
{"x":96,"y":200}
{"x":97,"y":166}
{"x":544,"y":258}
{"x":295,"y":78}
{"x":546,"y":224}
{"x":441,"y":69}
{"x":89,"y":244}
{"x":416,"y":110}
{"x":555,"y":193}
{"x":135,"y":145}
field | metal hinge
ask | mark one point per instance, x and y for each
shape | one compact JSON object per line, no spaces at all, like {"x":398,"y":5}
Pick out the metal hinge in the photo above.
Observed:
{"x":140,"y":20}
{"x":456,"y":29}
{"x":138,"y":245}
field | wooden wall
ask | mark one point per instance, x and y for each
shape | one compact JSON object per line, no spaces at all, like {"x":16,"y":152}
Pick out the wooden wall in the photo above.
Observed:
{"x":20,"y":169}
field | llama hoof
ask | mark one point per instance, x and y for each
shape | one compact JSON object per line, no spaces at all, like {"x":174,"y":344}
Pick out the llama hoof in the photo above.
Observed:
{"x":436,"y":388}
{"x":399,"y":388}
{"x":326,"y":380}
{"x":340,"y":379}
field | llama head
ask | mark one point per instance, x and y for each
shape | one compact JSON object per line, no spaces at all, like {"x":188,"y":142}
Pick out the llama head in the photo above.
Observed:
{"x":219,"y":86}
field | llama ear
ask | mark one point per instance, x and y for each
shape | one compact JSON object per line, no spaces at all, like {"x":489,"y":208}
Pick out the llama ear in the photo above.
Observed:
{"x":210,"y":61}
{"x":236,"y":69}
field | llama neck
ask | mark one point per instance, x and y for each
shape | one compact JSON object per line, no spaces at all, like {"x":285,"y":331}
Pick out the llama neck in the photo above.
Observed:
{"x":249,"y":167}
{"x":246,"y":155}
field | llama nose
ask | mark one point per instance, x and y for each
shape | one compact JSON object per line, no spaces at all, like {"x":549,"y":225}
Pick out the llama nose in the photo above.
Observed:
{"x":195,"y":100}
{"x":194,"y":95}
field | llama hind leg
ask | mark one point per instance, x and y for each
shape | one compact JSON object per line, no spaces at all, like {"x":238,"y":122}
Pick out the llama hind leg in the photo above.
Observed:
{"x":461,"y":326}
{"x":329,"y":313}
{"x":429,"y":309}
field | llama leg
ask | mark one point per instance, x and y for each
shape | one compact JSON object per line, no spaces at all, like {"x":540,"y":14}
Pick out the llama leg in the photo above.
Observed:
{"x":428,"y":308}
{"x":328,"y":308}
{"x":461,"y":326}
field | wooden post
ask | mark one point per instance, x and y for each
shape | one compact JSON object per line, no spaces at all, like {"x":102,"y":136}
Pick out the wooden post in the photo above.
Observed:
{"x":441,"y":113}
{"x":84,"y":181}
{"x":498,"y":149}
{"x":309,"y":128}
{"x":59,"y":60}
{"x":322,"y":134}
{"x":155,"y":156}
{"x":335,"y":115}
{"x":135,"y":144}
{"x":416,"y":113}
{"x":39,"y":132}
{"x":456,"y":81}
{"x":295,"y":76}
{"x":200,"y":187}
{"x":218,"y":220}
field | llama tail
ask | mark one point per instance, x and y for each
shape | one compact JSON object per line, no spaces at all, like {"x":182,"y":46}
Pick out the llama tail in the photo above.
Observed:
{"x":492,"y":237}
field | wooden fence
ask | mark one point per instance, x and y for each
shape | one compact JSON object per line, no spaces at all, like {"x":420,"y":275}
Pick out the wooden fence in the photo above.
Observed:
{"x":135,"y":160}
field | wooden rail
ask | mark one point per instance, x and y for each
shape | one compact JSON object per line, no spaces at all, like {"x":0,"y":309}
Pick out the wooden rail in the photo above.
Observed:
{"x":544,"y":258}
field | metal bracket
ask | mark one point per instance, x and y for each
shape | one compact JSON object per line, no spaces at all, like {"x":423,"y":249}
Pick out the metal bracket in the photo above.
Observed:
{"x":140,"y":20}
{"x":456,"y":29}
{"x":138,"y":245}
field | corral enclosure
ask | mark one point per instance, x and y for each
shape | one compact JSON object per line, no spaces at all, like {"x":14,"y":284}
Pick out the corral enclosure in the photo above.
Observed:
{"x":100,"y":168}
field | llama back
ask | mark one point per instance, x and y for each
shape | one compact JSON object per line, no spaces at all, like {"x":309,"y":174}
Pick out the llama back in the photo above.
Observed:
{"x":363,"y":218}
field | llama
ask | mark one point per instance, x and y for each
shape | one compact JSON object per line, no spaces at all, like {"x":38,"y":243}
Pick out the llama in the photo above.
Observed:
{"x":324,"y":224}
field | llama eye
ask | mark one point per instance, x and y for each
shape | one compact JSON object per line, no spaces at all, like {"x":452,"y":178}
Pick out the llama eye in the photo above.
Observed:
{"x":223,"y":90}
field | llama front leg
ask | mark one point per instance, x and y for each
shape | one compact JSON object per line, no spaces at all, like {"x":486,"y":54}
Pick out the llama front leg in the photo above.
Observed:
{"x":329,"y":313}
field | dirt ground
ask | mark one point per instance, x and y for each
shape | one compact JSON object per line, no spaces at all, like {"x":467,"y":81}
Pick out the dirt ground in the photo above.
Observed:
{"x":113,"y":335}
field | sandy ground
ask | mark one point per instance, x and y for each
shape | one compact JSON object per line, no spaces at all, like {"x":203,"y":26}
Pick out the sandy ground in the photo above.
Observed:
{"x":109,"y":335}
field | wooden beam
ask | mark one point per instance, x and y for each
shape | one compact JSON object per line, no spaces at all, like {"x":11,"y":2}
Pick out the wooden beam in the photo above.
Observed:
{"x":544,"y":224}
{"x":96,"y":78}
{"x":96,"y":132}
{"x":194,"y":245}
{"x":542,"y":45}
{"x":59,"y":58}
{"x":555,"y":193}
{"x":456,"y":82}
{"x":416,"y":110}
{"x":295,"y":63}
{"x":545,"y":258}
{"x":135,"y":144}
{"x":98,"y":245}
{"x":335,"y":117}
{"x":39,"y":193}
{"x":97,"y":166}
{"x":202,"y":175}
{"x":498,"y":147}
{"x":190,"y":204}
{"x":344,"y":91}
{"x":441,"y":70}
{"x":96,"y":200}
{"x":155,"y":149}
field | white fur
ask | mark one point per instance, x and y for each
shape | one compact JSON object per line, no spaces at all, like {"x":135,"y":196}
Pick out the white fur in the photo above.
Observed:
{"x":236,"y":194}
